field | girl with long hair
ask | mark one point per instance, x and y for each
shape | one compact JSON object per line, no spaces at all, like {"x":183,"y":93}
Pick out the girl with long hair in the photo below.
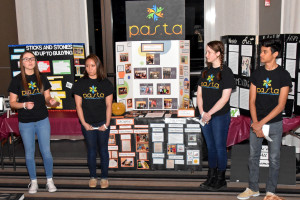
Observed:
{"x":93,"y":97}
{"x":29,"y":93}
{"x":213,"y":94}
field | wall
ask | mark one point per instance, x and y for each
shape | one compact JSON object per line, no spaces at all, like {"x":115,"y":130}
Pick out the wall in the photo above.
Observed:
{"x":8,"y":35}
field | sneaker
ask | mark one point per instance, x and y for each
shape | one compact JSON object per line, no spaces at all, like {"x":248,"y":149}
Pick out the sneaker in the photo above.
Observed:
{"x":247,"y":194}
{"x":33,"y":187}
{"x":50,"y":186}
{"x":271,"y":194}
{"x":104,"y":183}
{"x":93,"y":183}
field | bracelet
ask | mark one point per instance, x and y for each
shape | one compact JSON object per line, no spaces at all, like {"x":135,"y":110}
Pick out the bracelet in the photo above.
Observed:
{"x":24,"y":105}
{"x":105,"y":126}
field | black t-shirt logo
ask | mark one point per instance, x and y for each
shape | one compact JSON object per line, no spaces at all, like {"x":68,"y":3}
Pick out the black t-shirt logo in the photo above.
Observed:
{"x":267,"y":88}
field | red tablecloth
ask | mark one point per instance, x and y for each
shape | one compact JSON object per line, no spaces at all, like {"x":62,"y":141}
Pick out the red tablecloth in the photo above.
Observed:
{"x":65,"y":125}
{"x":239,"y":128}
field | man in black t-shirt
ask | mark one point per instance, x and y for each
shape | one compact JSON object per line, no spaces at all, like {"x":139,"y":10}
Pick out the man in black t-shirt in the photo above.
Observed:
{"x":270,"y":85}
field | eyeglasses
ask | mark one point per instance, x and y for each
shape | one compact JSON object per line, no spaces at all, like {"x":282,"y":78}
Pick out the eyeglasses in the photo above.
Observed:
{"x":29,"y":59}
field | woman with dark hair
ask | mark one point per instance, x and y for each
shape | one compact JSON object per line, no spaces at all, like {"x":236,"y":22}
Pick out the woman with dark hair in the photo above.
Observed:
{"x":93,"y":98}
{"x":29,"y":92}
{"x":214,"y":90}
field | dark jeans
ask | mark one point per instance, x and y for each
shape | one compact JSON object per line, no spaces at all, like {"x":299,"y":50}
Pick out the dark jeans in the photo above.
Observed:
{"x":97,"y":140}
{"x":275,"y":133}
{"x":215,"y":134}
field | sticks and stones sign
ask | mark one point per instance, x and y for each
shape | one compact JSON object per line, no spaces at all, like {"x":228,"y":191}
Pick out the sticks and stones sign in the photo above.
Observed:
{"x":155,"y":20}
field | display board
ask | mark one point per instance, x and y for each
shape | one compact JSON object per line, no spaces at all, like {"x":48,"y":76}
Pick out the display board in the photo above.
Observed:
{"x":240,"y":56}
{"x":61,"y":63}
{"x":292,"y":63}
{"x":155,"y":144}
{"x":153,"y":75}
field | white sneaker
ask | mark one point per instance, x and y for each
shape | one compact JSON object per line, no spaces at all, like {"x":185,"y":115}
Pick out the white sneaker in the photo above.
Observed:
{"x":50,"y":185}
{"x":33,"y":187}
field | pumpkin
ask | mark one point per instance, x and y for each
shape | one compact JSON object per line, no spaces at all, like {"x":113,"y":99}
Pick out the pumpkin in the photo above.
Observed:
{"x":118,"y":108}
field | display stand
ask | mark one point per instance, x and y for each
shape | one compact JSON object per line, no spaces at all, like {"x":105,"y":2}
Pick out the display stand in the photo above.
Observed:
{"x":61,"y":63}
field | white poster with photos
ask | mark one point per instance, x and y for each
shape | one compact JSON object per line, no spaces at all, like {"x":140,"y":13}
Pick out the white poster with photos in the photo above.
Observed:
{"x":153,"y":74}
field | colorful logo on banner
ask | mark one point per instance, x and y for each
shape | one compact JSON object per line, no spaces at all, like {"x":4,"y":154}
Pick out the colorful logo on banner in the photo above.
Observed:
{"x":155,"y":20}
{"x":155,"y":13}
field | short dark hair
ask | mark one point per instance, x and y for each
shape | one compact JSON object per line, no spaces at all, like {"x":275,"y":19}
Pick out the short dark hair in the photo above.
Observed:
{"x":275,"y":44}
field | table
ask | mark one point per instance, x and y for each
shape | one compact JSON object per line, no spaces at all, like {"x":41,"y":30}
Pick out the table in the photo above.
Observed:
{"x":65,"y":125}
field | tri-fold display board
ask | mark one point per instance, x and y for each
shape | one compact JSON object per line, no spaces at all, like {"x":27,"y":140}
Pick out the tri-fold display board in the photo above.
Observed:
{"x":61,"y":63}
{"x":242,"y":56}
{"x":153,"y":75}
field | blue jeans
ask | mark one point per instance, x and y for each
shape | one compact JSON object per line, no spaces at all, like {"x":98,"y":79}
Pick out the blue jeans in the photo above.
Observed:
{"x":97,"y":140}
{"x":215,"y":134}
{"x":42,"y":130}
{"x":275,"y":133}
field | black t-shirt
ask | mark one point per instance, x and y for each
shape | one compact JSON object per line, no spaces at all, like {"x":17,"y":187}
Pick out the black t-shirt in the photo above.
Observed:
{"x":39,"y":111}
{"x":212,"y":89}
{"x":268,"y":85}
{"x":93,"y":93}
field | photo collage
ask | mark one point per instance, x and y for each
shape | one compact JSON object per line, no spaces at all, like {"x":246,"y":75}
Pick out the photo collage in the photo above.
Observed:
{"x":145,"y":82}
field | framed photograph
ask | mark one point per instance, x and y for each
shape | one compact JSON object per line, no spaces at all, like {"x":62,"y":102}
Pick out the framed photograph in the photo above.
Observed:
{"x":128,"y":68}
{"x":127,"y":162}
{"x":154,"y":73}
{"x":143,"y":164}
{"x":123,"y":57}
{"x":152,"y":47}
{"x":171,"y":149}
{"x":129,"y":103}
{"x":184,"y":59}
{"x":192,"y":138}
{"x":246,"y":66}
{"x":146,"y":89}
{"x":141,"y":103}
{"x":155,"y":103}
{"x":142,"y":147}
{"x":170,"y":103}
{"x":142,"y":138}
{"x":169,"y":72}
{"x":140,"y":73}
{"x":112,"y":139}
{"x":163,"y":88}
{"x":122,"y":90}
{"x":152,"y":59}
